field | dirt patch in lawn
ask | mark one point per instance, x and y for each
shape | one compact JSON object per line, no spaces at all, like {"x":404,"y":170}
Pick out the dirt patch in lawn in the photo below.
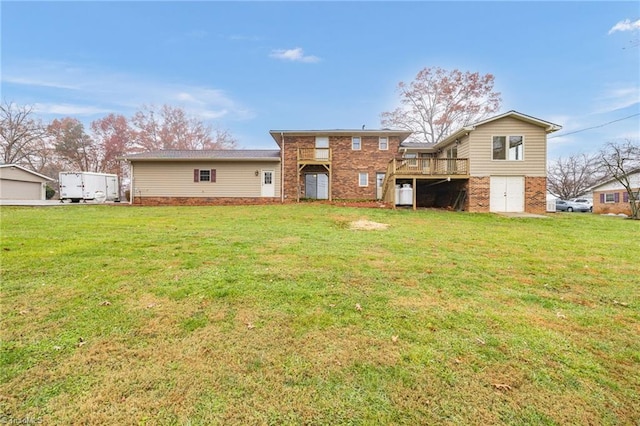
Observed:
{"x":367,"y":225}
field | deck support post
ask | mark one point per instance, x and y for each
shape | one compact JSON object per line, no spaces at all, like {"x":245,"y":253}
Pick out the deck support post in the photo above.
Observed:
{"x":415,"y":191}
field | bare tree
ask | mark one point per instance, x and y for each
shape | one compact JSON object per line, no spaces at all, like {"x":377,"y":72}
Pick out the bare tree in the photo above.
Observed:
{"x":572,"y":176}
{"x":439,"y":102}
{"x":171,"y":128}
{"x":621,"y":160}
{"x":73,"y":145}
{"x":21,"y":136}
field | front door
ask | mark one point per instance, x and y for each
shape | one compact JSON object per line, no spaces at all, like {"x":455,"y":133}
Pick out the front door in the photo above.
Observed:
{"x":268,"y":188}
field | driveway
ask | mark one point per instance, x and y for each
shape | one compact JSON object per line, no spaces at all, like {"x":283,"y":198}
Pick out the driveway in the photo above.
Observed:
{"x":49,"y":203}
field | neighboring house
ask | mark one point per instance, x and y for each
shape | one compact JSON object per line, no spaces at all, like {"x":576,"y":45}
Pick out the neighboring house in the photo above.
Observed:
{"x":336,"y":164}
{"x":205,"y":177}
{"x":612,"y":197}
{"x":497,"y":165}
{"x":20,"y":183}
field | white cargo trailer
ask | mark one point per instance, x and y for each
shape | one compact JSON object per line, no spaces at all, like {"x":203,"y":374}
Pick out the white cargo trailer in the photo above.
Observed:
{"x":76,"y":186}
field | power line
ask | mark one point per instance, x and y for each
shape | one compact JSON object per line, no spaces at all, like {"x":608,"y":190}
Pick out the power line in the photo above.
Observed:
{"x":595,"y":127}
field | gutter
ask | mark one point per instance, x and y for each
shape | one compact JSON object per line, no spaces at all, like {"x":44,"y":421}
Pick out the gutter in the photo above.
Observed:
{"x":282,"y":168}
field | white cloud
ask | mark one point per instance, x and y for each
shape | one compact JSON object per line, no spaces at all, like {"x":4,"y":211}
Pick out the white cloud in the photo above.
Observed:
{"x":68,"y":109}
{"x":295,"y":55}
{"x":616,"y":98}
{"x":60,"y":89}
{"x":625,"y":25}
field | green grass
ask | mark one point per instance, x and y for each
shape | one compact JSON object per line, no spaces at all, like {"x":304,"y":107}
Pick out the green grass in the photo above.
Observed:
{"x":247,"y":315}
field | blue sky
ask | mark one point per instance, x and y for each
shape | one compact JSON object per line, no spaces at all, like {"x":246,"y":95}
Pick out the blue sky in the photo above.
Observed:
{"x":254,"y":66}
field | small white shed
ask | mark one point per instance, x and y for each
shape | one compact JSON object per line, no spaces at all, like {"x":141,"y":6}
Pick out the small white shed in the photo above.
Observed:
{"x":19,"y":183}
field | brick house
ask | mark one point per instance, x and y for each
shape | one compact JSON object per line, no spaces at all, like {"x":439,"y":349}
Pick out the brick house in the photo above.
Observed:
{"x":612,"y":197}
{"x":496,"y":165}
{"x":335,"y":164}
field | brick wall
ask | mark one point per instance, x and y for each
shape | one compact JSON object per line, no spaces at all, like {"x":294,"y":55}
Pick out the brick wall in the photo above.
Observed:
{"x":478,"y":195}
{"x":346,"y":165}
{"x":622,"y":206}
{"x":535,"y":195}
{"x":202,"y":201}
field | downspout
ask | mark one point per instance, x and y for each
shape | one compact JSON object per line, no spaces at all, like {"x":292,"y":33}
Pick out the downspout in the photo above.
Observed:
{"x":282,"y":168}
{"x":131,"y":185}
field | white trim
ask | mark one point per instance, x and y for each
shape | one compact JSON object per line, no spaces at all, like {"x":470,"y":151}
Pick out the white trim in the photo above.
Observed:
{"x":507,"y":147}
{"x":26,"y":170}
{"x":353,"y":139}
{"x":360,"y":176}
{"x":380,"y":144}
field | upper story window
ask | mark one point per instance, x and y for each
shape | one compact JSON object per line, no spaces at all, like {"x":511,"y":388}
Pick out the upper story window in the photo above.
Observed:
{"x":508,"y":148}
{"x":383,"y":143}
{"x":322,"y":141}
{"x":356,"y":143}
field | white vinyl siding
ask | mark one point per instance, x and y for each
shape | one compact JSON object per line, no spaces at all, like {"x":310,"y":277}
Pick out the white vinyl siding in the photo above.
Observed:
{"x":176,"y":179}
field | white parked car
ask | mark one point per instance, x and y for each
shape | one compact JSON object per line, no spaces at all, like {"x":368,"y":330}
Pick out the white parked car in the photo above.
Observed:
{"x":586,"y":201}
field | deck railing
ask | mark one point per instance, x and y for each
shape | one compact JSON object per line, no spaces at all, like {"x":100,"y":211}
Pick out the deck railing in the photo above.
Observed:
{"x":422,"y":167}
{"x":430,"y":166}
{"x":319,"y":155}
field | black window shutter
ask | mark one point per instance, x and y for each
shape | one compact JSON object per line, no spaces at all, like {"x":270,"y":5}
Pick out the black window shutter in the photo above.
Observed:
{"x":213,"y":175}
{"x":616,"y":197}
{"x":602,"y":198}
{"x":196,"y":175}
{"x":625,"y":197}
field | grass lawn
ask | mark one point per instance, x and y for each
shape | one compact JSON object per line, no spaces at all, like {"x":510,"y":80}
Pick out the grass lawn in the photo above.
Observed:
{"x":286,"y":315}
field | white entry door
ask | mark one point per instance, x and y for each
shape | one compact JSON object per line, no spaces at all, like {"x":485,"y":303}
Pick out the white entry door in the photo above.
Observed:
{"x":379,"y":182}
{"x":507,"y":194}
{"x":268,"y":187}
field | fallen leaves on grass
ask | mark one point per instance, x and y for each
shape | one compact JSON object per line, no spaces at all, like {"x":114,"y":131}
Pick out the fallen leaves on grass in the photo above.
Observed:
{"x":105,"y":303}
{"x":358,"y":307}
{"x":250,"y":326}
{"x":81,"y":342}
{"x":394,"y":339}
{"x":502,"y":386}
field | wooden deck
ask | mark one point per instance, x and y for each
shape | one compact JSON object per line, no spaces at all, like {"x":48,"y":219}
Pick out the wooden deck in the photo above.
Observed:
{"x":422,"y":169}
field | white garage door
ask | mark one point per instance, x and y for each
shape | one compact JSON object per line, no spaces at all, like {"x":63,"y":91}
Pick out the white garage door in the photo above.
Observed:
{"x":507,"y":194}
